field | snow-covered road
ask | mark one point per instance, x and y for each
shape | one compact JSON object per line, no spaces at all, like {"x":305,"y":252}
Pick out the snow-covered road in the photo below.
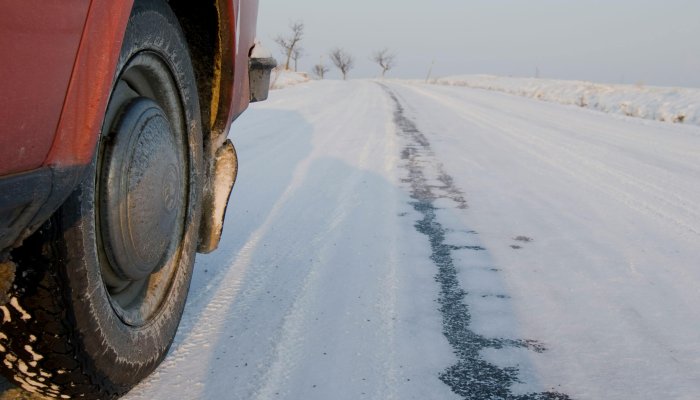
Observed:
{"x":390,"y":240}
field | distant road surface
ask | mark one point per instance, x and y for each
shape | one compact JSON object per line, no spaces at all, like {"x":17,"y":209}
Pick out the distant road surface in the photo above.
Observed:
{"x":395,"y":240}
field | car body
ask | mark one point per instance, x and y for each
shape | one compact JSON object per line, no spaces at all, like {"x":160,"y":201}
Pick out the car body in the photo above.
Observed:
{"x":115,"y":168}
{"x":57,"y":69}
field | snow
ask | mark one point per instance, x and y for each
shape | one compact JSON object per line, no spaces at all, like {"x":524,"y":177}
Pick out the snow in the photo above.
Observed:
{"x":609,"y":281}
{"x":35,"y":356}
{"x":6,"y":317}
{"x":281,"y":78}
{"x":260,"y":51}
{"x":15,"y":304}
{"x":312,"y":294}
{"x":323,"y":287}
{"x":677,"y":105}
{"x":573,"y":236}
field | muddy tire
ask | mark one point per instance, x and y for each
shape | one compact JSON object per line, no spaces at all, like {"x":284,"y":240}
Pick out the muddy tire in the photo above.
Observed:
{"x":101,"y":287}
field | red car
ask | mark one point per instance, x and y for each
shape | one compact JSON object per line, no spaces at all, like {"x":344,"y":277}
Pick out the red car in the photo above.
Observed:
{"x":115,"y":169}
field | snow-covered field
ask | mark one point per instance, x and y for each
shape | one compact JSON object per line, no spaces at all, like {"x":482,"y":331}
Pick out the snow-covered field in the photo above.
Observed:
{"x":281,"y":78}
{"x":391,"y":240}
{"x":677,"y":105}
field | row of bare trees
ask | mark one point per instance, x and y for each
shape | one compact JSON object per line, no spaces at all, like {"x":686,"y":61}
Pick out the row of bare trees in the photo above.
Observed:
{"x":342,"y":60}
{"x":290,"y":44}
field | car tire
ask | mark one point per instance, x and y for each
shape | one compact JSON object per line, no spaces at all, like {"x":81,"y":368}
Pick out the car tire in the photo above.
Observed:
{"x":101,"y":287}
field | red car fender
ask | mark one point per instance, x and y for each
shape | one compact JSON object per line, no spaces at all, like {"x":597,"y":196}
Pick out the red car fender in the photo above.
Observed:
{"x":93,"y":74}
{"x":246,"y":10}
{"x":91,"y":83}
{"x":237,"y":38}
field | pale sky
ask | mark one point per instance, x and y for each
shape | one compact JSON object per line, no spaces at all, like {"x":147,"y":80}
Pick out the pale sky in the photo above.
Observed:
{"x":623,"y":41}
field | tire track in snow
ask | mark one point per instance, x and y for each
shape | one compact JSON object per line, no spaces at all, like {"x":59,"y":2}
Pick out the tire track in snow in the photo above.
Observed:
{"x":472,"y":377}
{"x":294,"y":346}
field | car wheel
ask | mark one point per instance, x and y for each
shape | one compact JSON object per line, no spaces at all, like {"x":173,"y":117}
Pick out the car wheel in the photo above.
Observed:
{"x":101,"y":287}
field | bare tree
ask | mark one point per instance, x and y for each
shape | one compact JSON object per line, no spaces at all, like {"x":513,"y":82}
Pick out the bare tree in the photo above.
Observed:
{"x":320,"y":70}
{"x":296,"y":55}
{"x":343,"y":61}
{"x":289,"y":43}
{"x":385,"y":60}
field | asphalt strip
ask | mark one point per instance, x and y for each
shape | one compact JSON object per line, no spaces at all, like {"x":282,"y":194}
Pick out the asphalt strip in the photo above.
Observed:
{"x":472,"y":377}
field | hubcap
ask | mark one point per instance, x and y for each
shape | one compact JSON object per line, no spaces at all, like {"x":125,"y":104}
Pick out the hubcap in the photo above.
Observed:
{"x":142,"y":194}
{"x":143,"y":189}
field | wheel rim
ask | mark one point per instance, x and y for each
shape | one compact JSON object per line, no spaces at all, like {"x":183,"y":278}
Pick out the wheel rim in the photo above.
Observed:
{"x":142,"y":189}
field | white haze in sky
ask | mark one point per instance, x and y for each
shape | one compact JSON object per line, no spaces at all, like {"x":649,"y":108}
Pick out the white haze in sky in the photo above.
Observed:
{"x":624,"y":41}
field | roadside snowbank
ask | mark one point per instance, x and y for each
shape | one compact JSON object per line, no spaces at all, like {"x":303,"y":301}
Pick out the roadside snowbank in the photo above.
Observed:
{"x":678,"y":105}
{"x":281,"y":78}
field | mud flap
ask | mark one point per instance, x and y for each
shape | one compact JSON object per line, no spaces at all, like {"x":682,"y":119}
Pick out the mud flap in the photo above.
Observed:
{"x":222,"y":179}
